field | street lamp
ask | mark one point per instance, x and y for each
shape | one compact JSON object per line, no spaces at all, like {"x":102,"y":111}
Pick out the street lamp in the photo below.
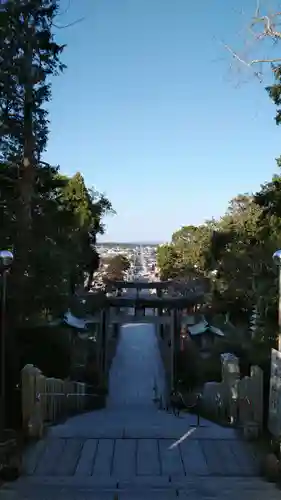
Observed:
{"x":6,"y":260}
{"x":277,"y":260}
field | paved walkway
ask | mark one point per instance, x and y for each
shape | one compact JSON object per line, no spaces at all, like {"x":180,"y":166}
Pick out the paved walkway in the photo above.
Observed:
{"x":137,"y":369}
{"x":132,"y":450}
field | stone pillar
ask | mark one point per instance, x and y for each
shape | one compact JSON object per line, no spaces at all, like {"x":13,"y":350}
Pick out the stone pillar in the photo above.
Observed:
{"x":103,"y":328}
{"x":230,"y":378}
{"x":31,"y":378}
{"x":172,"y":347}
{"x":28,"y":393}
{"x":160,"y":313}
{"x":116,"y":312}
{"x":139,"y":311}
{"x":116,"y":325}
{"x":178,"y":331}
{"x":160,"y":330}
{"x":174,"y":329}
{"x":257,"y":395}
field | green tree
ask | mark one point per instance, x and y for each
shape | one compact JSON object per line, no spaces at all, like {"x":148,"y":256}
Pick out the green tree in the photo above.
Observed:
{"x":48,"y":220}
{"x":87,"y":207}
{"x":28,"y":57}
{"x":117,"y":266}
{"x":167,"y":261}
{"x":241,"y":252}
{"x":239,"y":248}
{"x":186,"y":255}
{"x":191,"y":242}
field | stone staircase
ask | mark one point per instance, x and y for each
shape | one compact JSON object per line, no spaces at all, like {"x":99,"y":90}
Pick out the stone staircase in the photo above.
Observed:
{"x":211,"y":488}
{"x":133,"y":451}
{"x":140,"y":453}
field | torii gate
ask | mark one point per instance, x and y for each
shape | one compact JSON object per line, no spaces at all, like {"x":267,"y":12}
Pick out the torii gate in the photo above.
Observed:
{"x":159,"y":286}
{"x":168,"y":316}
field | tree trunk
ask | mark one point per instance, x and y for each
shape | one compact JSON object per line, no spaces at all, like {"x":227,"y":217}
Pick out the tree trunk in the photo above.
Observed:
{"x":26,"y":184}
{"x":23,"y":241}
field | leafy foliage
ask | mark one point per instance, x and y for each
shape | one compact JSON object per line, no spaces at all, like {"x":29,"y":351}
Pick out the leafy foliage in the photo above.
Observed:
{"x":117,"y":266}
{"x":235,"y":252}
{"x":28,"y":57}
{"x":274,"y":91}
{"x":50,"y":221}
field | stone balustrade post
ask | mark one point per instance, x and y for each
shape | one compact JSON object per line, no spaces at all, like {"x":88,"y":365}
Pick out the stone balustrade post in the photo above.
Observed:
{"x":257,"y":395}
{"x":40,"y":387}
{"x":231,"y":377}
{"x":244,"y":402}
{"x":35,"y":424}
{"x":104,"y":339}
{"x":28,"y":393}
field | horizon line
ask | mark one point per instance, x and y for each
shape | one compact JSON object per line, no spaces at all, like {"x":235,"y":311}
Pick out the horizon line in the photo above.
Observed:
{"x":130,"y":242}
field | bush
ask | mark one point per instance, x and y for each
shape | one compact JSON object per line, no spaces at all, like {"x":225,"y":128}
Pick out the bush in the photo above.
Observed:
{"x":47,"y":347}
{"x":211,"y":369}
{"x":94,"y":302}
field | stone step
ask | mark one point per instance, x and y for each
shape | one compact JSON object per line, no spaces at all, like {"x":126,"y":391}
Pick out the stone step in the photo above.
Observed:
{"x":212,"y":489}
{"x":139,"y":424}
{"x":154,"y":432}
{"x":115,"y":482}
{"x":129,"y":458}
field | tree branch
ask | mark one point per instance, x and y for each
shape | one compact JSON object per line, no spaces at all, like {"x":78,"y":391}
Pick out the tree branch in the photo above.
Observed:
{"x":254,"y":61}
{"x":268,"y":25}
{"x":63,"y":12}
{"x":69,"y":24}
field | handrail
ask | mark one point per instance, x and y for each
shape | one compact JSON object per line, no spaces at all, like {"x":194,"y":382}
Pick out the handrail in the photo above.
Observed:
{"x":178,"y":393}
{"x":197,"y":398}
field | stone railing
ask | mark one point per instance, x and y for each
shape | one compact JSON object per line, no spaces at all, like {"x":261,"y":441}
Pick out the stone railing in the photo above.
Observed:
{"x":48,"y":400}
{"x":237,"y":400}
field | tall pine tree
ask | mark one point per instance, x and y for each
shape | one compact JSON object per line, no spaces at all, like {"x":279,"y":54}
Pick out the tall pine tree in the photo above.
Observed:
{"x":28,"y":57}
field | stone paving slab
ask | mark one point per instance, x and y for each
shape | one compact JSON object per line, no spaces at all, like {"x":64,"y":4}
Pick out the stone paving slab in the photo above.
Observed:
{"x":137,"y":368}
{"x":89,"y":495}
{"x":133,"y":457}
{"x":208,"y":484}
{"x":133,"y":495}
{"x":217,"y":489}
{"x":146,"y":483}
{"x":168,"y":431}
{"x":139,"y":421}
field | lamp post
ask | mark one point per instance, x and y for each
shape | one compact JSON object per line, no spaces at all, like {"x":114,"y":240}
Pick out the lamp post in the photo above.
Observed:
{"x":277,"y":260}
{"x":6,"y":260}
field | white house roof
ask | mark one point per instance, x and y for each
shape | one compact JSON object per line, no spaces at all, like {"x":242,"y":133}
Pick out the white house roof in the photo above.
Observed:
{"x":73,"y":321}
{"x":199,"y":328}
{"x":203,"y":327}
{"x":216,"y":331}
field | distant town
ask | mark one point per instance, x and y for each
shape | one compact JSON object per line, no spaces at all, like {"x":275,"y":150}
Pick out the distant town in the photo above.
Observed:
{"x":142,"y":258}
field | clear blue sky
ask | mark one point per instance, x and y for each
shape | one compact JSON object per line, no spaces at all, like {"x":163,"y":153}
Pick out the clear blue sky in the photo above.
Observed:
{"x":148,"y":111}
